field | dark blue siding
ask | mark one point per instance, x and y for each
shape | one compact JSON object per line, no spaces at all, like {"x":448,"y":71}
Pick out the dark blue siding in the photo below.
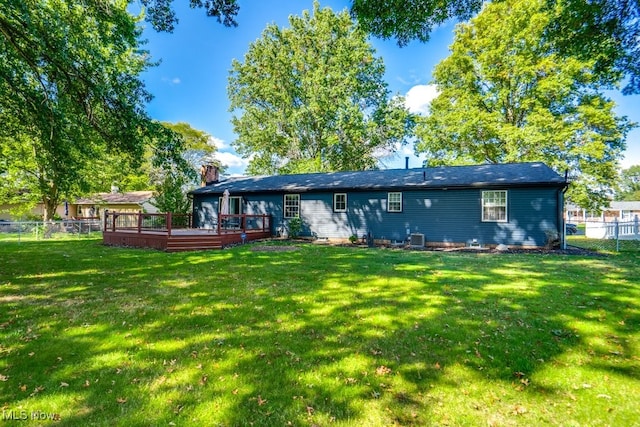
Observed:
{"x":448,"y":216}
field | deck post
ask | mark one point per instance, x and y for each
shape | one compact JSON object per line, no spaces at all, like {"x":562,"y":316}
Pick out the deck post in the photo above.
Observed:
{"x":113,"y":224}
{"x":106,"y":215}
{"x":139,"y":222}
{"x":169,"y":220}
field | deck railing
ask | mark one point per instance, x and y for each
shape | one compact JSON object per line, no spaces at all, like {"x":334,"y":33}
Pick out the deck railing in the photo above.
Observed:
{"x":243,"y":223}
{"x":166,"y":222}
{"x":147,"y":222}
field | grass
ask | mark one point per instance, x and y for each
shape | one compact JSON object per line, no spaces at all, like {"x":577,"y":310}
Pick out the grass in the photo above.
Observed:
{"x":92,"y":335}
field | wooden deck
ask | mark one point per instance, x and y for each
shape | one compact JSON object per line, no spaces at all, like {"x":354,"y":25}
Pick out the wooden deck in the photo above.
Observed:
{"x":165,"y":233}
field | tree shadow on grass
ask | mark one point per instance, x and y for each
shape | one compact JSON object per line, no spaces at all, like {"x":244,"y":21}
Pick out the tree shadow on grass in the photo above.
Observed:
{"x":317,"y":336}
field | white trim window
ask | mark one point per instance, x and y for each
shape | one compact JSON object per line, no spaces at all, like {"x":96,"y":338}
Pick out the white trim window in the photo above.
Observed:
{"x":494,"y":206}
{"x":291,"y":205}
{"x":394,"y":202}
{"x":339,"y":202}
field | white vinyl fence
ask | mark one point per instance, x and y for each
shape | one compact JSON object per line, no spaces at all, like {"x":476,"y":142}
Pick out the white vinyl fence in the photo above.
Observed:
{"x":616,"y":230}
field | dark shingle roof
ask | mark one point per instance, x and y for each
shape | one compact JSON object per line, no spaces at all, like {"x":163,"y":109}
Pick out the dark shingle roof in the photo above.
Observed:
{"x":394,"y":179}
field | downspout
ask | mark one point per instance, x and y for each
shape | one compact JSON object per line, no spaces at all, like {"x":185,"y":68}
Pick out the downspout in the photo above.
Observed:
{"x":561,"y":221}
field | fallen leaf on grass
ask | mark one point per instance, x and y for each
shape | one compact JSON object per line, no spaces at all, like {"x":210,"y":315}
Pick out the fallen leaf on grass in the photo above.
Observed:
{"x":4,"y":378}
{"x":36,"y":390}
{"x":63,"y":384}
{"x":383,"y":370}
{"x":121,"y":400}
{"x":23,"y":387}
{"x":261,"y":401}
{"x":519,"y":410}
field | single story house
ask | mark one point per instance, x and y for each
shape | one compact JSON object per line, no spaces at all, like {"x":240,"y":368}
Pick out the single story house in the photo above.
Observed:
{"x":617,"y":210}
{"x":512,"y":204}
{"x":131,"y":201}
{"x":92,"y":207}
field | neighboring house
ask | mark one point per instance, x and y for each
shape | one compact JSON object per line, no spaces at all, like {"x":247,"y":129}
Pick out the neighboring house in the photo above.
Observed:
{"x":132,"y":201}
{"x":620,"y":210}
{"x":94,"y":206}
{"x":511,"y":204}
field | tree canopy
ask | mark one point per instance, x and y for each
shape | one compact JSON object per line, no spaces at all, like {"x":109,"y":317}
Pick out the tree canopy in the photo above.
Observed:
{"x":507,"y":96}
{"x":312,"y":98}
{"x":162,"y":17}
{"x":604,"y":30}
{"x":629,"y":184}
{"x":69,"y":89}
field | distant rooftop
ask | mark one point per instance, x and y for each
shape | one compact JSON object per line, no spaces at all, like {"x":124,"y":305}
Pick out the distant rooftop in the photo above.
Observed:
{"x":130,"y":197}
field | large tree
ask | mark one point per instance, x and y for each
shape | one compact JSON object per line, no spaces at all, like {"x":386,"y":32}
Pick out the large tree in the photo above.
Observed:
{"x":68,"y":87}
{"x":172,"y":181}
{"x":606,"y":31}
{"x":312,"y":97}
{"x":70,"y":94}
{"x":506,"y":96}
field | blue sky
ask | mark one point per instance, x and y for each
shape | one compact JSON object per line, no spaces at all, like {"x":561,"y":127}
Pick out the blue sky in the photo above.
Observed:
{"x":190,"y":84}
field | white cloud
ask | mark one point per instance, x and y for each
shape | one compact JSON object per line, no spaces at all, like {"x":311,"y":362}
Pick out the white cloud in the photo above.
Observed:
{"x":172,"y":81}
{"x":419,"y":97}
{"x":231,"y":160}
{"x":220,"y":144}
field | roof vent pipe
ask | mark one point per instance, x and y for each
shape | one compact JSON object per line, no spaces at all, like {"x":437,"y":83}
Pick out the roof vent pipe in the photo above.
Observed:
{"x":406,"y":162}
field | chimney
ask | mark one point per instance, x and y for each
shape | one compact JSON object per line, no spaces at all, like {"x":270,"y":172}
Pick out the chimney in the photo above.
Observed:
{"x":209,"y":175}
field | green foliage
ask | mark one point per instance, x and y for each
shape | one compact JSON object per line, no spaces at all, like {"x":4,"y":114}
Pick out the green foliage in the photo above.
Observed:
{"x":603,"y":31}
{"x":272,"y":335}
{"x":171,"y":170}
{"x":170,"y":194}
{"x":295,"y":227}
{"x":410,"y":19}
{"x":69,"y":93}
{"x":312,"y":98}
{"x":629,"y":184}
{"x":507,"y":96}
{"x":162,"y":17}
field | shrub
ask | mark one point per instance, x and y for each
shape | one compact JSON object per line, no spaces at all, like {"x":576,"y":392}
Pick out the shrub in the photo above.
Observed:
{"x":295,"y":227}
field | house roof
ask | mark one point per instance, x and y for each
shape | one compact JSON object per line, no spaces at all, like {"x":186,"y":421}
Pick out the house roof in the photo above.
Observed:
{"x":633,"y":205}
{"x":128,"y":198}
{"x":625,"y":205}
{"x":494,"y":175}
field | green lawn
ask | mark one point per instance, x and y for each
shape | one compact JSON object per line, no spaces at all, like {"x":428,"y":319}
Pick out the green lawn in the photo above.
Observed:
{"x":93,"y":335}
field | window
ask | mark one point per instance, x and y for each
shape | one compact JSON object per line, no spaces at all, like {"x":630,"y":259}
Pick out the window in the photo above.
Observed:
{"x":291,"y":205}
{"x":494,"y":206}
{"x":340,"y":202}
{"x":394,"y":202}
